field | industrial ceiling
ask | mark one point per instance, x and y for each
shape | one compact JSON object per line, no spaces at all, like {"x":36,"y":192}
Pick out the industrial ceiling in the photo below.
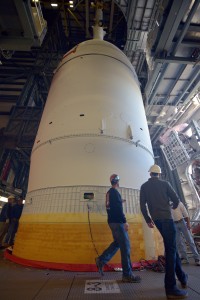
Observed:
{"x":160,"y":37}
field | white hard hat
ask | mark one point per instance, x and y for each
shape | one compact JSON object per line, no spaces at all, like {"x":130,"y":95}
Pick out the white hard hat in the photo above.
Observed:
{"x":155,"y":169}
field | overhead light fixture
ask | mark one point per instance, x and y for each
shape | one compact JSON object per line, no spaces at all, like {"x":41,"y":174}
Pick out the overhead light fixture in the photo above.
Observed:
{"x":196,"y":100}
{"x":71,"y":5}
{"x":3,"y":199}
{"x":162,"y":114}
{"x":35,"y":0}
{"x":71,"y":2}
{"x":54,"y":4}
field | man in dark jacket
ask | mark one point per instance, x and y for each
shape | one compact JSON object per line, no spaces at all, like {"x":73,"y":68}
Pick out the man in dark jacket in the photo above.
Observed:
{"x":5,"y":217}
{"x":119,"y":227}
{"x":158,"y":195}
{"x":15,"y":216}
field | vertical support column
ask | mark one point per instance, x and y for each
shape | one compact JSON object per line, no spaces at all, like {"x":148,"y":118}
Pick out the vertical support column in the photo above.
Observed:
{"x":149,"y":241}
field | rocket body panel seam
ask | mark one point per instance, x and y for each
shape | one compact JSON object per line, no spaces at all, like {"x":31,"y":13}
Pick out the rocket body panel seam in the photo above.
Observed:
{"x":93,"y":135}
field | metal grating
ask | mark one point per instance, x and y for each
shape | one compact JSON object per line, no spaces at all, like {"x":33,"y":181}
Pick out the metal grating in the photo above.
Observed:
{"x":22,"y":283}
{"x":71,"y":199}
{"x":174,"y":151}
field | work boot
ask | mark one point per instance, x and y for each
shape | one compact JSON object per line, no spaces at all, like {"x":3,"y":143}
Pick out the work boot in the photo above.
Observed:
{"x":99,"y":265}
{"x":184,"y":284}
{"x":131,"y":278}
{"x":176,"y":294}
{"x":197,"y":262}
{"x":184,"y":261}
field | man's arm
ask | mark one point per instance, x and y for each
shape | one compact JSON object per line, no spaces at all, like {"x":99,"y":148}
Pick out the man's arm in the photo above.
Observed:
{"x":143,"y":207}
{"x":116,"y":206}
{"x":173,"y":196}
{"x":185,"y":215}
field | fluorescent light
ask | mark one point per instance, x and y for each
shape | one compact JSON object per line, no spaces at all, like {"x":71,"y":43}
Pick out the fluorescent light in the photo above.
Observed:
{"x":162,"y":114}
{"x":71,"y":2}
{"x":189,"y":132}
{"x":3,"y":199}
{"x":196,"y":100}
{"x":54,"y":4}
{"x":35,"y":0}
{"x":71,"y":5}
{"x":190,"y":169}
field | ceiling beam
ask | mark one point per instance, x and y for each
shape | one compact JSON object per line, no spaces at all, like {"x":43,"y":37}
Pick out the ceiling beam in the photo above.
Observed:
{"x":176,"y":14}
{"x":87,"y":20}
{"x":10,"y":89}
{"x":190,"y":43}
{"x":180,"y":72}
{"x":187,"y":90}
{"x":111,"y":19}
{"x":191,"y":28}
{"x":177,"y":60}
{"x":186,"y":25}
{"x":9,"y":99}
{"x":156,"y":84}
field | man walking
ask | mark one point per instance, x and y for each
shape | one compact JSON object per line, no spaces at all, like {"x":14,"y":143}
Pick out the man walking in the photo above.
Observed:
{"x":182,"y":225}
{"x":119,"y":228}
{"x":14,"y":223}
{"x":5,"y":217}
{"x":157,"y":195}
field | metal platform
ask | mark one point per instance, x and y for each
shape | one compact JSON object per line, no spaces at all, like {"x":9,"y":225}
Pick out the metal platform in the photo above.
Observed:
{"x":22,"y":283}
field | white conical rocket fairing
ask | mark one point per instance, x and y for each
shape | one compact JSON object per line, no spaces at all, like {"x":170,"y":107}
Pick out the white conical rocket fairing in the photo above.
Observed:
{"x":93,"y":125}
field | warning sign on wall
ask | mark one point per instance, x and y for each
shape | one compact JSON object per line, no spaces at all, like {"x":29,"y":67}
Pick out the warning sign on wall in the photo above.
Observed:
{"x":101,"y":287}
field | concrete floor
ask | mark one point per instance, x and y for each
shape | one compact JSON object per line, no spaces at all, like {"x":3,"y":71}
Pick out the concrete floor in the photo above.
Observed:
{"x":23,"y":283}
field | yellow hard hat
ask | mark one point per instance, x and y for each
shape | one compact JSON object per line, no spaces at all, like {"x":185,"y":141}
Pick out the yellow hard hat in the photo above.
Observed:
{"x":155,"y":169}
{"x":11,"y":197}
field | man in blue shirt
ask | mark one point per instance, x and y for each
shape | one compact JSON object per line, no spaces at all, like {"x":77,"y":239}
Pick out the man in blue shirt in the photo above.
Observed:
{"x":119,"y":228}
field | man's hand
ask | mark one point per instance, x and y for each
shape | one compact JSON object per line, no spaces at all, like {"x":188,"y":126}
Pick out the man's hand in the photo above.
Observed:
{"x":151,"y":224}
{"x":188,"y":225}
{"x":126,"y":226}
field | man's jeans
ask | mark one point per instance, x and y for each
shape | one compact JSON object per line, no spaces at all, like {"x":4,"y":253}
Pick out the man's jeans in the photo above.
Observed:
{"x":121,"y":241}
{"x":11,"y":232}
{"x":181,"y":228}
{"x":173,"y":263}
{"x":3,"y":230}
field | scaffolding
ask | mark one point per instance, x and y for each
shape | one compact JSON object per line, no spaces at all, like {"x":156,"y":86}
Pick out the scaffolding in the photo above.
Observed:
{"x":182,"y":153}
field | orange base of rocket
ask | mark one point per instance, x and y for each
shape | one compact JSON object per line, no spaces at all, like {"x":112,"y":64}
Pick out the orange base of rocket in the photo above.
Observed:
{"x":71,"y":267}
